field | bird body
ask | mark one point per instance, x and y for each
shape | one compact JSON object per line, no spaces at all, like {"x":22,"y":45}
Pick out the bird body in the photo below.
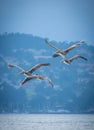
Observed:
{"x":63,"y":53}
{"x":29,"y":75}
{"x":69,"y":61}
{"x":29,"y":72}
{"x":36,"y":76}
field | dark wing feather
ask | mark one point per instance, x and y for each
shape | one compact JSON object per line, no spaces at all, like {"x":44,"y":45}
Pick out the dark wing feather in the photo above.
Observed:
{"x":27,"y":79}
{"x":72,"y":47}
{"x":76,"y":57}
{"x":56,"y":55}
{"x":52,"y":46}
{"x":49,"y":80}
{"x":16,"y":66}
{"x":38,"y":66}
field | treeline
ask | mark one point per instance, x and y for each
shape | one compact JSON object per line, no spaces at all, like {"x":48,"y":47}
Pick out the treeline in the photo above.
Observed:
{"x":11,"y":99}
{"x":14,"y":100}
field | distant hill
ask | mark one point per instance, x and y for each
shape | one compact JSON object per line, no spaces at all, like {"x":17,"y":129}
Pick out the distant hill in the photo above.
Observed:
{"x":73,"y":90}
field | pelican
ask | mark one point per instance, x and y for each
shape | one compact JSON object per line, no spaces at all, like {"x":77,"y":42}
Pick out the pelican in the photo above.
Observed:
{"x":36,"y":76}
{"x":63,"y":53}
{"x":29,"y":75}
{"x":68,"y":61}
{"x":29,"y":72}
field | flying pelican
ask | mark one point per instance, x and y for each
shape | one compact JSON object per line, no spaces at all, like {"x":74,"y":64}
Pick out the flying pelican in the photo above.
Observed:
{"x":63,"y":53}
{"x":36,"y":76}
{"x":29,"y":75}
{"x":68,"y":61}
{"x":29,"y":72}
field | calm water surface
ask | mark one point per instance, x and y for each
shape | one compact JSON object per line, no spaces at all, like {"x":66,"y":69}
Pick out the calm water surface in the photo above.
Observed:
{"x":46,"y":122}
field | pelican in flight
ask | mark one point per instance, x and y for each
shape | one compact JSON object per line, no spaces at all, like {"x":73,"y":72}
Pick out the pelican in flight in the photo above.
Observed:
{"x":69,"y":61}
{"x":36,"y":76}
{"x":63,"y":53}
{"x":29,"y":75}
{"x":29,"y":72}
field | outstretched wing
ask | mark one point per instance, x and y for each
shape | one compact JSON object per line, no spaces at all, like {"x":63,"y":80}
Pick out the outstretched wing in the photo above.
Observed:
{"x":52,"y":45}
{"x":76,"y":57}
{"x":27,"y":79}
{"x":73,"y":46}
{"x":18,"y":67}
{"x":49,"y":80}
{"x":38,"y":66}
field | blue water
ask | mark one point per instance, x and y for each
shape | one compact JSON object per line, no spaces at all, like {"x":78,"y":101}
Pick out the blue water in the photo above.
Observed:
{"x":46,"y":122}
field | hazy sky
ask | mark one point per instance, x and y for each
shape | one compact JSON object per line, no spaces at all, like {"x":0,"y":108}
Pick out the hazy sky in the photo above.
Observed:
{"x":54,"y":19}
